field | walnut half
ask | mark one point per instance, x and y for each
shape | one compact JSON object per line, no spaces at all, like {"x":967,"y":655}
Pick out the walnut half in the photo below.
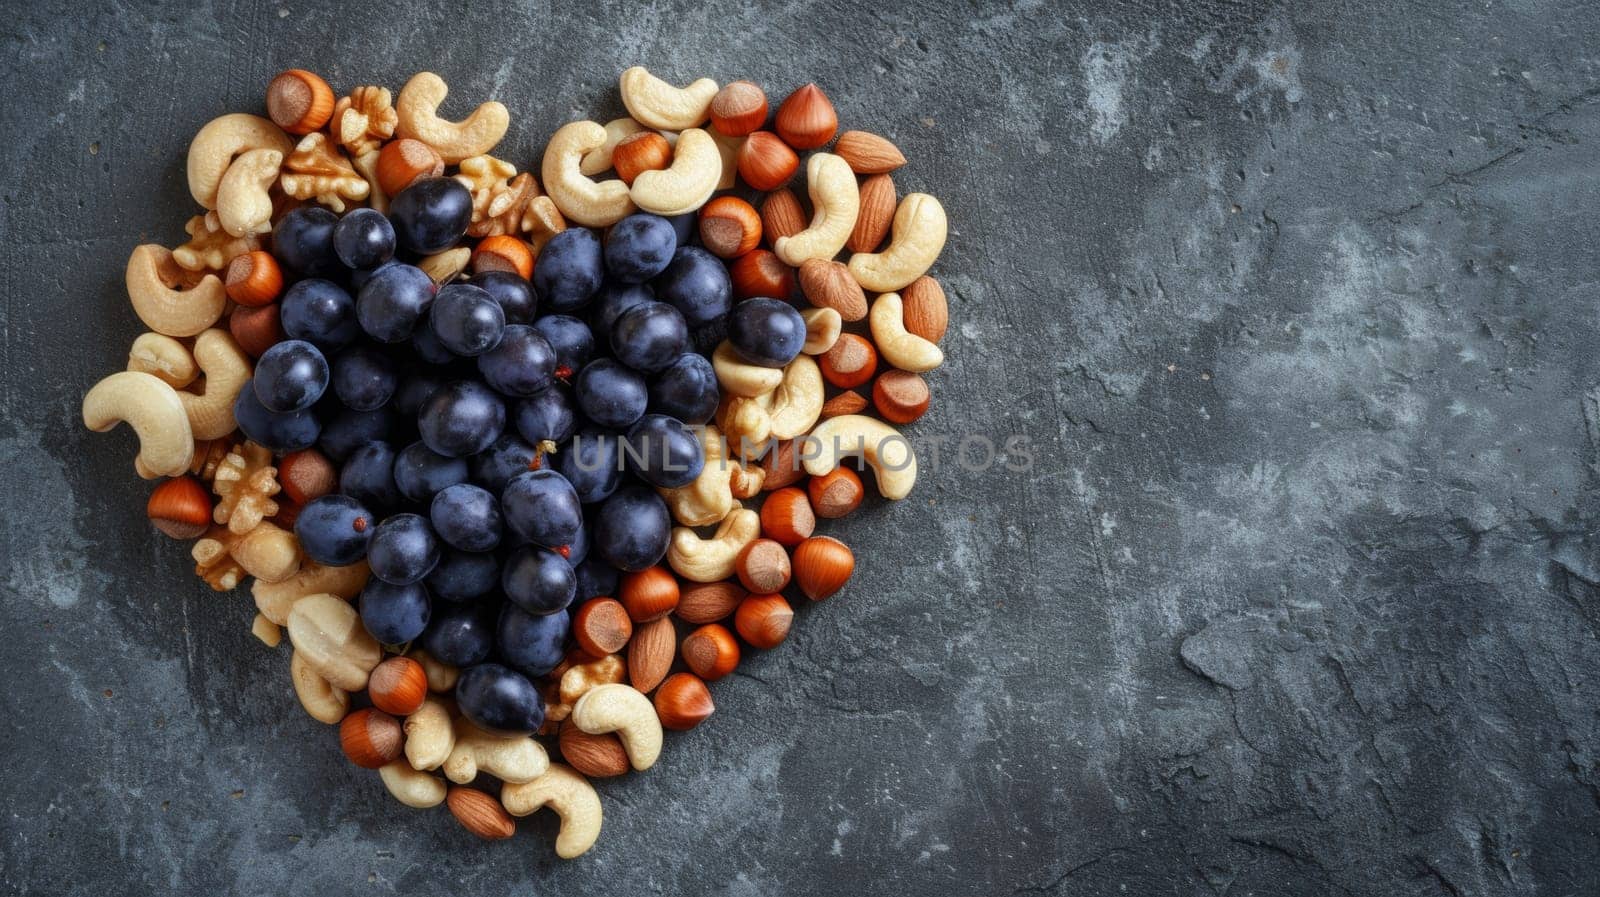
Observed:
{"x":245,"y":482}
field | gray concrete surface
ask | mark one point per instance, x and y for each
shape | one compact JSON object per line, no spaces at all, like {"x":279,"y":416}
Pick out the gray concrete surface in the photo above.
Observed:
{"x":1295,"y":304}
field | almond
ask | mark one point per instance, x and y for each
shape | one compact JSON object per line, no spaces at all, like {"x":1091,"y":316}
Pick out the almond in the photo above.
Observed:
{"x":926,"y":312}
{"x":867,"y":153}
{"x":596,"y":756}
{"x":877,"y":213}
{"x":651,"y":652}
{"x":782,"y":215}
{"x":847,"y":402}
{"x":829,"y":284}
{"x":709,"y":602}
{"x":481,"y":814}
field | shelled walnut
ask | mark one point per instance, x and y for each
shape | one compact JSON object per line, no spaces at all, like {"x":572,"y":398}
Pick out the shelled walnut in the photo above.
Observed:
{"x":318,"y":170}
{"x":363,"y":120}
{"x":245,"y":483}
{"x":210,"y":248}
{"x":214,"y":563}
{"x":488,"y":180}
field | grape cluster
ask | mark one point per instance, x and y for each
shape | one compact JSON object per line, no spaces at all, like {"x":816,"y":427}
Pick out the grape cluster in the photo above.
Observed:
{"x":498,"y":441}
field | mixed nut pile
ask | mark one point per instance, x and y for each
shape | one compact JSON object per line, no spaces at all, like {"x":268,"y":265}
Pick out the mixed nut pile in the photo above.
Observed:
{"x":484,"y":441}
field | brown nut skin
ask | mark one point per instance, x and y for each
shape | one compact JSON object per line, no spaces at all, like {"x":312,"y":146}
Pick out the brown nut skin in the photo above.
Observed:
{"x":253,"y":278}
{"x":850,"y":363}
{"x":180,"y":507}
{"x":847,"y":402}
{"x":806,"y":119}
{"x":836,"y":493}
{"x":782,"y":215}
{"x":763,"y":621}
{"x":683,"y":702}
{"x":787,"y":517}
{"x":761,"y":273}
{"x":398,"y":685}
{"x":927,"y":314}
{"x":299,"y":101}
{"x":782,"y":465}
{"x":822,"y":565}
{"x":711,"y":652}
{"x":370,"y":738}
{"x":596,"y":756}
{"x":763,"y":565}
{"x":729,"y":227}
{"x":900,"y":396}
{"x":256,"y":329}
{"x":709,"y":602}
{"x":638,"y":153}
{"x":503,"y":252}
{"x":602,"y":626}
{"x":306,"y":475}
{"x":649,"y":594}
{"x":766,"y":162}
{"x":480,"y":813}
{"x":738,"y":108}
{"x":401,"y":162}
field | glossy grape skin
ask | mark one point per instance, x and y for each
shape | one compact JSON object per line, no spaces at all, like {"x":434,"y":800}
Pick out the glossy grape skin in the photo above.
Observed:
{"x":460,"y":634}
{"x":426,"y":343}
{"x":363,"y":378}
{"x":349,"y":430}
{"x":766,"y":332}
{"x":431,"y":215}
{"x":288,"y":432}
{"x":500,"y":700}
{"x":649,"y":336}
{"x":591,"y":463}
{"x":393,"y":301}
{"x":696,"y":284}
{"x":521,"y":365}
{"x":466,"y":517}
{"x":394,"y":615}
{"x":632,"y":529}
{"x":578,"y":549}
{"x":414,"y":390}
{"x":319,"y":312}
{"x":611,"y":302}
{"x":541,"y":507}
{"x":639,"y":247}
{"x":549,"y":415}
{"x":515,"y":295}
{"x":493,"y":467}
{"x":532,"y":644}
{"x":569,"y":270}
{"x":610,"y":394}
{"x":368,"y":477}
{"x":363,"y":239}
{"x":403,"y":549}
{"x":466,"y":319}
{"x":595,"y":578}
{"x":290,"y":376}
{"x":420,"y":472}
{"x":334,"y":530}
{"x":303,"y":242}
{"x":570,"y":338}
{"x":359,"y":279}
{"x":538,"y":580}
{"x":661,"y":451}
{"x":686,"y":389}
{"x":461,"y":418}
{"x":463,"y":575}
{"x":686,"y":227}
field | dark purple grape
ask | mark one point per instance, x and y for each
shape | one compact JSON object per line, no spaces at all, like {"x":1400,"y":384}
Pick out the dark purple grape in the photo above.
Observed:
{"x":596,"y":578}
{"x":431,"y":215}
{"x":368,"y":477}
{"x":414,"y":390}
{"x":578,"y":549}
{"x":521,"y":365}
{"x":611,"y":302}
{"x":538,"y":580}
{"x":569,"y":269}
{"x":696,"y":284}
{"x":425,"y":342}
{"x":394,"y":301}
{"x":334,"y":530}
{"x":303,"y":242}
{"x":320,"y":312}
{"x":359,"y":278}
{"x":686,"y":389}
{"x":350,"y":430}
{"x":632,"y":529}
{"x":592,"y":463}
{"x":639,"y":247}
{"x":493,"y":467}
{"x":571,"y":339}
{"x":662,"y":452}
{"x":546,"y":416}
{"x":685,"y":227}
{"x":363,"y":239}
{"x":394,"y":615}
{"x":766,"y":332}
{"x":420,"y":472}
{"x":514,"y":294}
{"x":649,"y":336}
{"x":466,"y":319}
{"x":610,"y":394}
{"x":363,"y":378}
{"x":541,"y":507}
{"x":288,"y":432}
{"x":403,"y":549}
{"x":466,"y":517}
{"x":460,"y":634}
{"x":461,"y":418}
{"x":499,"y":699}
{"x":291,"y":376}
{"x":463,"y":575}
{"x":533,"y":644}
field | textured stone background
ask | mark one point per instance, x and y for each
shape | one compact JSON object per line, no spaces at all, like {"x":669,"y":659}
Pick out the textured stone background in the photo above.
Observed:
{"x":1295,"y":305}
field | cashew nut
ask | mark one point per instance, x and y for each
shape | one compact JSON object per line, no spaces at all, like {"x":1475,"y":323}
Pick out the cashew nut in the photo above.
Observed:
{"x":687,"y":183}
{"x":441,"y":676}
{"x":243,"y":204}
{"x":797,"y":402}
{"x":213,"y":148}
{"x":275,"y":599}
{"x":429,"y":735}
{"x":153,"y":409}
{"x":822,"y":329}
{"x":325,"y":703}
{"x":570,"y":796}
{"x":267,"y":552}
{"x":598,"y":160}
{"x":709,"y":497}
{"x":711,"y":560}
{"x":328,"y":631}
{"x":899,"y":346}
{"x":624,"y":710}
{"x":227,"y":370}
{"x":579,"y":197}
{"x":883,"y":448}
{"x":419,"y":790}
{"x":514,"y":759}
{"x":154,"y":286}
{"x":164,"y":358}
{"x":270,"y":633}
{"x":728,"y":148}
{"x":835,"y":203}
{"x":747,"y":421}
{"x":741,"y":378}
{"x":920,"y":227}
{"x":417,"y":110}
{"x":656,"y":104}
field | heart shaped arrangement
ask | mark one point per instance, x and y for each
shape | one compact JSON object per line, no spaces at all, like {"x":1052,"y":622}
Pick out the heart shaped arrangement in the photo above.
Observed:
{"x":478,"y":437}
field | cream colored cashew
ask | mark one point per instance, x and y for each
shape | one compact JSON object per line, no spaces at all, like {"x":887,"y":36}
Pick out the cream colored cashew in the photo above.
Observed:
{"x":275,"y":599}
{"x":446,"y":266}
{"x":883,"y":448}
{"x":656,"y":104}
{"x":570,"y":796}
{"x":227,"y":370}
{"x":153,"y":409}
{"x":728,"y":148}
{"x":510,"y":759}
{"x":267,"y":552}
{"x":899,"y":346}
{"x":709,"y":497}
{"x":797,"y":402}
{"x":270,"y":633}
{"x":325,"y":703}
{"x":747,"y":421}
{"x":417,"y":112}
{"x":163,"y":358}
{"x":415,"y":789}
{"x":835,"y":203}
{"x":919,"y":232}
{"x":624,"y":710}
{"x":429,"y":735}
{"x":711,"y":560}
{"x":741,"y":378}
{"x":328,"y":632}
{"x":687,"y":183}
{"x":598,"y":160}
{"x":213,"y":148}
{"x":441,"y":676}
{"x":153,"y":278}
{"x":580,"y":198}
{"x":822,"y":329}
{"x":243,"y":204}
